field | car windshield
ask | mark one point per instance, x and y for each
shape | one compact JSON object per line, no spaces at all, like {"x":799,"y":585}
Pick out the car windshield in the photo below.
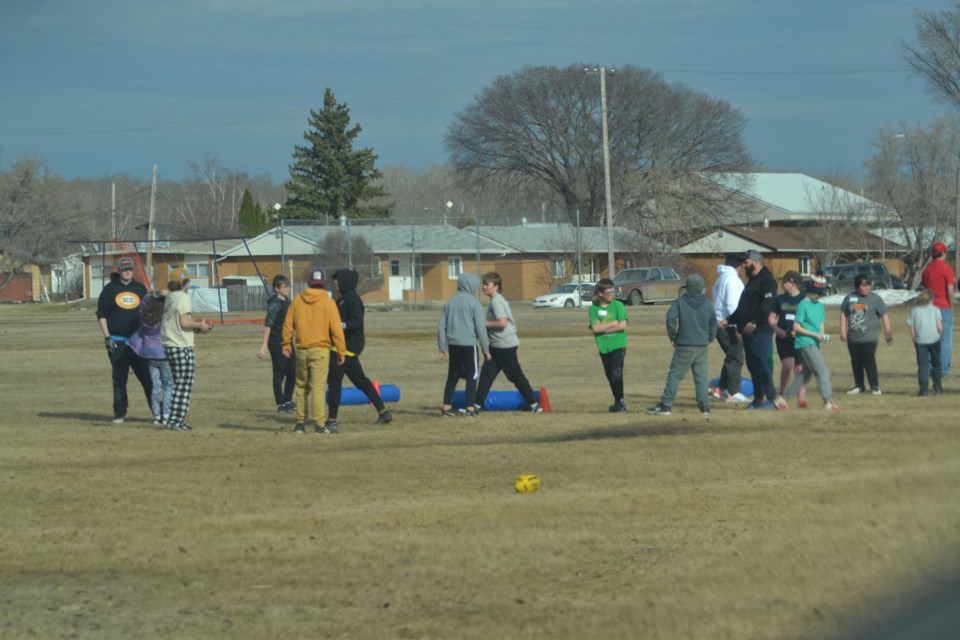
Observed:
{"x":831,"y":272}
{"x":565,"y":288}
{"x":628,"y":276}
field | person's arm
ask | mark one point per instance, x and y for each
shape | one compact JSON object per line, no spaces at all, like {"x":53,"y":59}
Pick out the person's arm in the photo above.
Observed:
{"x":187,"y":323}
{"x":262,"y":353}
{"x":772,"y":321}
{"x":887,"y":329}
{"x":499,"y":324}
{"x":843,"y":325}
{"x":288,"y":331}
{"x":951,"y":293}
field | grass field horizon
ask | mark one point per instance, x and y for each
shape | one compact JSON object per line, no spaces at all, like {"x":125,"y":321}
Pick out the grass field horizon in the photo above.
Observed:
{"x":745,"y":524}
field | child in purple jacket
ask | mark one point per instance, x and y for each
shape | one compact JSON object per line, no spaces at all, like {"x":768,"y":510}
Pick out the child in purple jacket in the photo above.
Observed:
{"x":146,"y":344}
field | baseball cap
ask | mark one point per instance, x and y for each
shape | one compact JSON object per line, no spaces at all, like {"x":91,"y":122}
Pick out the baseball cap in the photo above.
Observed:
{"x":792,"y":276}
{"x":179,"y":274}
{"x":938,"y":247}
{"x":753,"y":254}
{"x":316,"y":277}
{"x":126,"y":262}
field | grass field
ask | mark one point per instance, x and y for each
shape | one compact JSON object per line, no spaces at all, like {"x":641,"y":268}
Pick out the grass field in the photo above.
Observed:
{"x":741,"y":525}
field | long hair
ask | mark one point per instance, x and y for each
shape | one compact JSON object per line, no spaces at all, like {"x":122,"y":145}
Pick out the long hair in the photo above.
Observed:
{"x":153,"y":310}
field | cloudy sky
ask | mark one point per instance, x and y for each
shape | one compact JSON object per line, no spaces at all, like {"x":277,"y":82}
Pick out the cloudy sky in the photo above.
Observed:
{"x":103,"y":87}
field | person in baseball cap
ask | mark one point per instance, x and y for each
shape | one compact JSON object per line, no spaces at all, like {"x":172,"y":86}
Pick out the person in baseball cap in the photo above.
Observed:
{"x":938,"y":249}
{"x":316,"y":277}
{"x":939,"y":278}
{"x":125,"y":263}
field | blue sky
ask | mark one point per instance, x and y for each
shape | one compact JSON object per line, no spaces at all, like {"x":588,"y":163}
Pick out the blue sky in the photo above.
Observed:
{"x":102,"y":87}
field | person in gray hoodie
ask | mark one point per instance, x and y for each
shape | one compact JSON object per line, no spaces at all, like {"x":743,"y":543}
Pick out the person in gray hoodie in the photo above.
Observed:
{"x":691,"y":326}
{"x":462,"y":324}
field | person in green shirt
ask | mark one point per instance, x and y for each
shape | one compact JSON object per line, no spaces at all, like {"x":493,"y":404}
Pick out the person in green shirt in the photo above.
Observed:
{"x":608,"y":322}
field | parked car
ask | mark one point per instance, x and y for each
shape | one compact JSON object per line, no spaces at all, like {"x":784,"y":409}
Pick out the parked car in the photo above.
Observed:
{"x":840,"y":277}
{"x":647,"y":285}
{"x":566,"y":296}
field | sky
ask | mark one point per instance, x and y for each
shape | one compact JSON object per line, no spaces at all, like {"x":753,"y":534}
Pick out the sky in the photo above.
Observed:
{"x":105,"y":87}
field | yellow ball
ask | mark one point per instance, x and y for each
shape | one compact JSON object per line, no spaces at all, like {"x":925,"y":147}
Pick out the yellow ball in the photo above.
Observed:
{"x":527,"y":483}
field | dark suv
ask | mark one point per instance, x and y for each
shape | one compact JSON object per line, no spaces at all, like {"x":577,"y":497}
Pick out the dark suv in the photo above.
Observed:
{"x":646,"y":285}
{"x":840,"y":277}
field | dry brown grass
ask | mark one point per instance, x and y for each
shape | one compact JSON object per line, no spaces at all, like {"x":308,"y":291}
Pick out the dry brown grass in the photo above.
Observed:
{"x":743,"y":525}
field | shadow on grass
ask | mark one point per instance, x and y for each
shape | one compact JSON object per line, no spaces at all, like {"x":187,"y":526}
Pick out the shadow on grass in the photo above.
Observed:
{"x":98,"y":418}
{"x":263,"y":429}
{"x":636,"y":431}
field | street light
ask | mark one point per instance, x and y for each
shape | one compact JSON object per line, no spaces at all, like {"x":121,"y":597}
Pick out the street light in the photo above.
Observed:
{"x":277,"y":207}
{"x":606,"y":164}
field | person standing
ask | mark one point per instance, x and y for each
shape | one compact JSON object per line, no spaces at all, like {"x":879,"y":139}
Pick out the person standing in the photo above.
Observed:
{"x":782,"y":318}
{"x":461,"y":326}
{"x":504,"y":343}
{"x":148,"y":344}
{"x":284,"y":369}
{"x":726,"y":296}
{"x":177,"y":329}
{"x":752,"y":321}
{"x":862,"y":314}
{"x":118,"y":314}
{"x":926,"y":329}
{"x":313,"y":322}
{"x":940,"y":279}
{"x":351,"y":310}
{"x":608,"y":323}
{"x":691,"y":325}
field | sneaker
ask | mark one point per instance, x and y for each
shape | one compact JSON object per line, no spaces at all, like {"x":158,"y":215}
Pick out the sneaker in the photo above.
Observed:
{"x":766,"y":404}
{"x":536,"y":408}
{"x":803,"y":404}
{"x":477,"y":409}
{"x":330,"y":426}
{"x":830,"y":405}
{"x":715,"y":393}
{"x":938,"y":391}
{"x":659,"y":409}
{"x":704,"y":409}
{"x":922,"y":393}
{"x":299,"y":428}
{"x":157,"y":420}
{"x":781,"y":404}
{"x":855,"y":391}
{"x":118,"y":420}
{"x":470,"y":414}
{"x":176,"y":427}
{"x":738,"y":397}
{"x":384,"y":418}
{"x":451,"y":413}
{"x":286,"y":407}
{"x":877,"y":392}
{"x":617,"y":407}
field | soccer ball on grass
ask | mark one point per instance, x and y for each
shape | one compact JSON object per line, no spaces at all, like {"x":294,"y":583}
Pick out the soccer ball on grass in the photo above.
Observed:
{"x":527,"y":483}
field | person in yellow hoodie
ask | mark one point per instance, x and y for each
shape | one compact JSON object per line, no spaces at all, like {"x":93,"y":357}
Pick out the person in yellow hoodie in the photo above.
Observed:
{"x":314,"y":319}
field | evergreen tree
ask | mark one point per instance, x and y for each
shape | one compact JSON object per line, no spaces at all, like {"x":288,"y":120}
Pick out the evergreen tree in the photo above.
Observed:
{"x":252,"y":220}
{"x":328,"y":178}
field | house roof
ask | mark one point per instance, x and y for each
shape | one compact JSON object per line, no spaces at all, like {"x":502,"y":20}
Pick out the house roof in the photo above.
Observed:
{"x":562,"y":237}
{"x":733,"y":239}
{"x":795,"y":196}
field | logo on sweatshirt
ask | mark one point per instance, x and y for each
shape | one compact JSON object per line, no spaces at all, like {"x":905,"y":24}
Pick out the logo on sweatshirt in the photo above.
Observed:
{"x":127,"y":300}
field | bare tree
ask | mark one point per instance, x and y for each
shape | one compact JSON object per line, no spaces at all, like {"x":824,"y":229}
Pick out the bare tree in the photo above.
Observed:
{"x":542,"y":125}
{"x":333,"y":254}
{"x":936,"y":54}
{"x":913,"y":174}
{"x":206,"y":205}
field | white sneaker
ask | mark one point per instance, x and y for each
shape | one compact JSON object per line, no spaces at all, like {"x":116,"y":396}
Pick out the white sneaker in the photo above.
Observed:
{"x":855,"y":391}
{"x":738,"y":398}
{"x":877,"y":392}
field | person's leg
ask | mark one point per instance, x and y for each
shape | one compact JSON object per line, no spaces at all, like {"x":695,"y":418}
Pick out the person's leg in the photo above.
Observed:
{"x":355,"y":373}
{"x":141,"y":369}
{"x":319,"y":365}
{"x":752,"y":364}
{"x":120,"y":371}
{"x":509,"y":363}
{"x":936,"y":367}
{"x":471,"y":373}
{"x":335,"y":387}
{"x":733,"y":359}
{"x":946,"y":340}
{"x":279,"y":365}
{"x":616,"y":374}
{"x":924,"y":364}
{"x":454,"y":357}
{"x":156,"y":395}
{"x":290,"y":376}
{"x":488,"y":373}
{"x":679,"y":364}
{"x":701,"y":372}
{"x":800,"y":379}
{"x":813,"y":360}
{"x":303,"y":379}
{"x":869,"y":358}
{"x":856,"y":364}
{"x":723,"y":340}
{"x":182,"y":363}
{"x":166,"y":380}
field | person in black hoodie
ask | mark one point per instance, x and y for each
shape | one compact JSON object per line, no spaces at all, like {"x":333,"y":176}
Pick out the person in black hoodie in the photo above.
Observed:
{"x":351,"y":317}
{"x":752,"y":321}
{"x":118,"y":313}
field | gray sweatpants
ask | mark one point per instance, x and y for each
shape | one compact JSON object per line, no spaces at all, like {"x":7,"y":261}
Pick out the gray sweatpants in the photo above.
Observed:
{"x":813,"y":365}
{"x":687,"y":359}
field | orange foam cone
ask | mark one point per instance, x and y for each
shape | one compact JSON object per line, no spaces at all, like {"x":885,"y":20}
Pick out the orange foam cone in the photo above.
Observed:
{"x":544,"y":400}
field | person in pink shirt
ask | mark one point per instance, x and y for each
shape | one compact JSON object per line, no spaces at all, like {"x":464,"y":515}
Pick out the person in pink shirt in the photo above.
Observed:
{"x":939,"y":278}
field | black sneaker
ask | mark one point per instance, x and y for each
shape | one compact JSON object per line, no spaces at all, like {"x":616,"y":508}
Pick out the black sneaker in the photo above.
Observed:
{"x":286,"y":407}
{"x":176,"y":427}
{"x":451,"y":413}
{"x":299,"y":428}
{"x":938,"y":391}
{"x":659,"y":409}
{"x":617,"y":407}
{"x":384,"y":418}
{"x":536,"y":408}
{"x":330,"y":426}
{"x":704,"y":409}
{"x":470,"y":414}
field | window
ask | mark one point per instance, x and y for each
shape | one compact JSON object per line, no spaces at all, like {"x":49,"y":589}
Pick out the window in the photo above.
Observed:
{"x":558,"y":268}
{"x":395,"y":268}
{"x":199,"y":269}
{"x":804,"y":265}
{"x":454,"y":267}
{"x":376,"y":269}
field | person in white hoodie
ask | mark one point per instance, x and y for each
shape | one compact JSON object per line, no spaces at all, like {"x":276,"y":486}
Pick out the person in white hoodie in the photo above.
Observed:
{"x":726,"y":296}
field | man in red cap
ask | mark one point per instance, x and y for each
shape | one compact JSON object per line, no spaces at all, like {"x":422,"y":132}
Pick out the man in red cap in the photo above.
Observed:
{"x":939,"y":278}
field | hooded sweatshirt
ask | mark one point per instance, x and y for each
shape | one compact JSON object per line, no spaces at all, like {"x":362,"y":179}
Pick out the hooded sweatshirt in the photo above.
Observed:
{"x":726,"y":291}
{"x":461,"y":321}
{"x":119,"y":303}
{"x":313,"y":316}
{"x":351,"y":310}
{"x":691,"y":321}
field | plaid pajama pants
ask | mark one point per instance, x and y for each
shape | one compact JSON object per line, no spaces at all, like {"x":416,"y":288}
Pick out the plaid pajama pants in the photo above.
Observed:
{"x":184,"y":370}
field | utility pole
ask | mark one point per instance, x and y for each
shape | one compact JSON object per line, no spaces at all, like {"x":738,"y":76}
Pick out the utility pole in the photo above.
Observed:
{"x":113,"y":210}
{"x":611,"y":264}
{"x":956,"y":226}
{"x":151,"y":236}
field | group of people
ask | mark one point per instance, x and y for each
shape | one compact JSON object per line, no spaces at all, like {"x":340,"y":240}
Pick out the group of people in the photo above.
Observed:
{"x":314,"y":341}
{"x":151,"y":333}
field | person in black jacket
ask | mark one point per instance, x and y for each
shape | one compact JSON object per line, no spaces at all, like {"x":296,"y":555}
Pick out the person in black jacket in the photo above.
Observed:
{"x":118,"y":313}
{"x":351,"y":317}
{"x":284,"y":368}
{"x":752,"y":321}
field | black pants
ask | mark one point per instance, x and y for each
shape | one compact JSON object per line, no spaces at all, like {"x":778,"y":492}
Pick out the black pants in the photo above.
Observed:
{"x":613,"y":369}
{"x":353,"y":370}
{"x":461,"y":363}
{"x":863,"y":358}
{"x":503,"y":360}
{"x":732,"y":347}
{"x":284,"y":372}
{"x":121,"y":361}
